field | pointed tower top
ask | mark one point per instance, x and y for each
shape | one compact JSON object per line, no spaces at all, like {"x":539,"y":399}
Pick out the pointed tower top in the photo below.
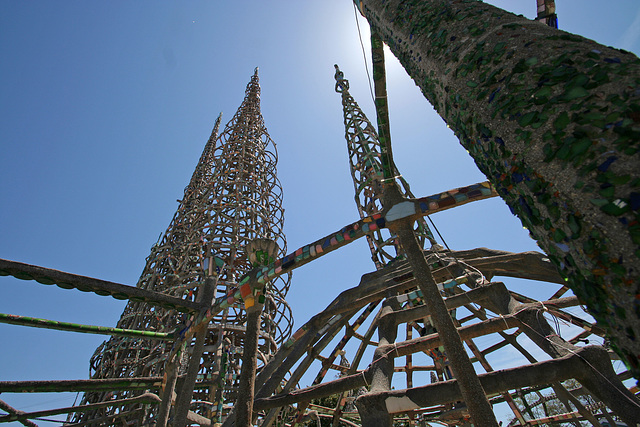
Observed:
{"x":365,"y":160}
{"x":342,"y":84}
{"x":252,"y":92}
{"x":214,"y":132}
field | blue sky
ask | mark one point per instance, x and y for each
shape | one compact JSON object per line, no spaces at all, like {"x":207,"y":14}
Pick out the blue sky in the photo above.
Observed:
{"x":106,"y":106}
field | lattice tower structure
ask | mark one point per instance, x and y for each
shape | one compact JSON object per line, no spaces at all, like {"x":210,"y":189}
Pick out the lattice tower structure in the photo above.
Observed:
{"x":365,"y":163}
{"x":233,"y":198}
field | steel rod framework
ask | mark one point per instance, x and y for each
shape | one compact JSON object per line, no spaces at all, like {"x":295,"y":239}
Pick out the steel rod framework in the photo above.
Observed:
{"x":145,"y":398}
{"x":232,"y":199}
{"x":367,"y":164}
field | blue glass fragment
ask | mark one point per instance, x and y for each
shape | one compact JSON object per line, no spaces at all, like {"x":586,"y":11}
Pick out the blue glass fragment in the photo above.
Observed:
{"x":634,"y":198}
{"x":516,"y":177}
{"x":525,"y":206}
{"x":605,"y":165}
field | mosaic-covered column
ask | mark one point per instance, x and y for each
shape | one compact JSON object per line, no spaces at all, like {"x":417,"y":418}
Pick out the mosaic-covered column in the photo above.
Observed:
{"x":553,"y":120}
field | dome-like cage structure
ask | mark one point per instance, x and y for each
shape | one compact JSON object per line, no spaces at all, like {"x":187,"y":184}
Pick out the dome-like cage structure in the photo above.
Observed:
{"x":542,"y":359}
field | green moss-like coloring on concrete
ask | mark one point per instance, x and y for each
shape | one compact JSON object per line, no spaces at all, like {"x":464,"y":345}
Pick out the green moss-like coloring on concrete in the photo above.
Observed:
{"x":549,"y":94}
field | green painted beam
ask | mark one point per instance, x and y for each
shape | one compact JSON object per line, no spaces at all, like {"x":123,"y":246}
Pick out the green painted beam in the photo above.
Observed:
{"x":382,"y":106}
{"x":86,"y":329}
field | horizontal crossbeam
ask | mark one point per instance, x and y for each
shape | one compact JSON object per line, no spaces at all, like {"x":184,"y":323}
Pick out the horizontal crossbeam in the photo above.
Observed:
{"x":47,"y":276}
{"x":146,"y":398}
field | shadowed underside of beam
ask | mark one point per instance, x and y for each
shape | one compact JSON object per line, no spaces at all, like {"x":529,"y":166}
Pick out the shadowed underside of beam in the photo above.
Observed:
{"x":48,"y":276}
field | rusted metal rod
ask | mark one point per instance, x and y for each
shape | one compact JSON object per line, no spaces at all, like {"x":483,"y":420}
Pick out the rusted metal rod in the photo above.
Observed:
{"x":244,"y":403}
{"x":185,"y":395}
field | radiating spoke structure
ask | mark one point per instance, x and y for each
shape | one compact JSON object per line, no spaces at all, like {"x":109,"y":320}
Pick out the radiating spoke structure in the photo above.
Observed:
{"x":233,"y":198}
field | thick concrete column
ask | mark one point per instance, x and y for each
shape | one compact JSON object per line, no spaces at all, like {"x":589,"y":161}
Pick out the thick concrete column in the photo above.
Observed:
{"x":374,"y":413}
{"x":553,"y":120}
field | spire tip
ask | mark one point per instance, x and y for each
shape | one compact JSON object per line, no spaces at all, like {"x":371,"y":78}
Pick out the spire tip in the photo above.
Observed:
{"x":342,"y":84}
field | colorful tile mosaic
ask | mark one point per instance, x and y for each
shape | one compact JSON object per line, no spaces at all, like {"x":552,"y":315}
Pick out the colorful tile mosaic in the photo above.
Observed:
{"x":458,"y":196}
{"x":253,"y":283}
{"x":416,"y":297}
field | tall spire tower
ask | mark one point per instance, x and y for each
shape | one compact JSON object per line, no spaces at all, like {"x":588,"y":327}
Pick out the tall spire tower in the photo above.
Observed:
{"x":365,"y":162}
{"x":233,"y":198}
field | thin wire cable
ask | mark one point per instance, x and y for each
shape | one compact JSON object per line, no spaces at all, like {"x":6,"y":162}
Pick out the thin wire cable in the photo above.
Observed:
{"x":364,"y":377}
{"x":595,"y":370}
{"x":364,"y":55}
{"x":458,"y":262}
{"x":438,"y":231}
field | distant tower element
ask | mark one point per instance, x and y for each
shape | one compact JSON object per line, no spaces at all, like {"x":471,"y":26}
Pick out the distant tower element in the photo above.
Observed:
{"x":366,"y":166}
{"x":547,"y":12}
{"x":233,"y":200}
